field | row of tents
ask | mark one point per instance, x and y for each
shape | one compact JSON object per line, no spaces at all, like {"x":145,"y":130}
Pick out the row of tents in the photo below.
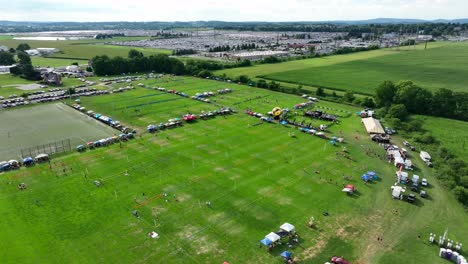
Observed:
{"x":189,"y":117}
{"x":303,"y":105}
{"x":320,"y":115}
{"x":273,"y":238}
{"x":28,"y":161}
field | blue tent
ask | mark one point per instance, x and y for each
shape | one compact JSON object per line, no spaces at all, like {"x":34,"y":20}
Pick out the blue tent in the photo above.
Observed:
{"x":371,"y":173}
{"x":366,"y":177}
{"x":265,"y":241}
{"x":332,"y":142}
{"x":283,"y":122}
{"x":286,"y":254}
{"x":97,"y":115}
{"x":6,"y":166}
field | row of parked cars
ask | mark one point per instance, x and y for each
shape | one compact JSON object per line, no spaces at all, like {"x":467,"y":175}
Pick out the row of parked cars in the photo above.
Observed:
{"x":28,"y":161}
{"x":105,"y":142}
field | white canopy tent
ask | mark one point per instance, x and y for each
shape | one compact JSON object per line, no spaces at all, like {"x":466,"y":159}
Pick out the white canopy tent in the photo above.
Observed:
{"x":273,"y":237}
{"x":287,"y":227}
{"x":373,"y":126}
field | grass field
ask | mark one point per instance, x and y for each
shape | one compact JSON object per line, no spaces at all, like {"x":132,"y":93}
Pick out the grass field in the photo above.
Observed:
{"x":55,"y":62}
{"x":256,"y":177}
{"x":9,"y":84}
{"x":441,"y":65}
{"x":78,"y":49}
{"x":448,"y":132}
{"x":33,"y":126}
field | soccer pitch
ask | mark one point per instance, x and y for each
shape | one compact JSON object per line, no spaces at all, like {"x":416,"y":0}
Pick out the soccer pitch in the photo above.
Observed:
{"x":42,"y":124}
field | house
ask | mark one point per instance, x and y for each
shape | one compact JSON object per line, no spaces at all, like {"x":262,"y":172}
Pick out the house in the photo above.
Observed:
{"x":52,"y":78}
{"x":5,"y":69}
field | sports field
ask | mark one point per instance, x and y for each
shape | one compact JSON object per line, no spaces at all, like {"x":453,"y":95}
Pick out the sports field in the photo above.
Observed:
{"x":42,"y":124}
{"x":255,"y":175}
{"x":441,"y":65}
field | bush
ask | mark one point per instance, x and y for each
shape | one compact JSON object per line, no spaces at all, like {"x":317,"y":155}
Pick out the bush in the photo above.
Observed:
{"x":398,"y":111}
{"x":426,"y":138}
{"x":461,"y":193}
{"x":320,"y":92}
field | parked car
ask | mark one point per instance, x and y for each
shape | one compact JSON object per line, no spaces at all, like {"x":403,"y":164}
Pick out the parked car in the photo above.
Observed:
{"x":414,"y":187}
{"x":411,"y":197}
{"x":422,"y":193}
{"x":424,"y":182}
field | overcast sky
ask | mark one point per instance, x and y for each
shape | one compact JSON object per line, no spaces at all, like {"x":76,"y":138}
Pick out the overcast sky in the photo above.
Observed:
{"x":228,"y":10}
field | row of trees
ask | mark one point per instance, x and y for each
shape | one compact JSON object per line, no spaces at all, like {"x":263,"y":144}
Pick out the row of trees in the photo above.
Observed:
{"x":181,"y":52}
{"x":348,"y":50}
{"x":136,"y":62}
{"x":229,"y":48}
{"x":417,"y":100}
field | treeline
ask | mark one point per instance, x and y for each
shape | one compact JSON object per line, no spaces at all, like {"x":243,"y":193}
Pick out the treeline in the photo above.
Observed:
{"x":347,"y":50}
{"x":435,"y":29}
{"x":229,"y":48}
{"x":136,"y":62}
{"x":417,"y":100}
{"x":181,"y":52}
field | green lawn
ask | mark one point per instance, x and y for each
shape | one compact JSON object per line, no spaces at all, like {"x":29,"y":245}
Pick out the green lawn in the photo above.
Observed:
{"x":55,"y":62}
{"x":440,"y":65}
{"x":256,"y":177}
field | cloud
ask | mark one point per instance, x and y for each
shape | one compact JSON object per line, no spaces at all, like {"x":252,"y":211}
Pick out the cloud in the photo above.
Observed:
{"x":228,"y":10}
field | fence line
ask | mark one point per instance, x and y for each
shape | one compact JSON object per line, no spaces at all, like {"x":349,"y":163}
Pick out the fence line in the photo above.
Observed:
{"x":55,"y":147}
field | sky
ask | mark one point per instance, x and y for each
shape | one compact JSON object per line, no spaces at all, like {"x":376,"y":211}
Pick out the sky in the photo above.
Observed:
{"x":228,"y":10}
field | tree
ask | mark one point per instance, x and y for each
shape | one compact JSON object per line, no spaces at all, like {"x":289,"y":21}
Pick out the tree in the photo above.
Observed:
{"x":6,"y":58}
{"x":385,"y":93}
{"x":368,"y":102}
{"x":133,"y":53}
{"x":23,"y":47}
{"x":312,"y":49}
{"x":243,"y":79}
{"x":23,"y":57}
{"x":398,"y":111}
{"x":461,"y":193}
{"x":320,"y":92}
{"x":12,"y":50}
{"x":348,"y":96}
{"x":444,"y":103}
{"x":416,"y":99}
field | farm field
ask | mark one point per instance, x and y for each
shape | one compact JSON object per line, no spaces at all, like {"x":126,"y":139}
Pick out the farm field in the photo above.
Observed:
{"x":255,"y":175}
{"x":42,"y":124}
{"x":441,"y":65}
{"x":78,"y":49}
